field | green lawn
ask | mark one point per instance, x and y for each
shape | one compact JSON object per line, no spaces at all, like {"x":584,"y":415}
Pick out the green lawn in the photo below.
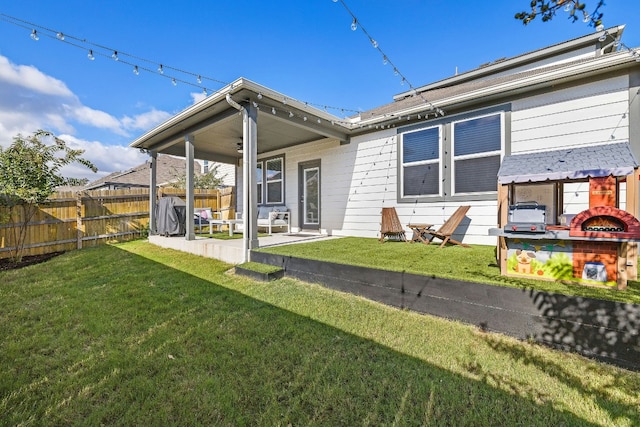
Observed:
{"x":133,"y":334}
{"x":474,"y":264}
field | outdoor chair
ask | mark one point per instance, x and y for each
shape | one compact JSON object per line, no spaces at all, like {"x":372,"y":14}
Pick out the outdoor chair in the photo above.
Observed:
{"x":449,"y":227}
{"x":391,"y":226}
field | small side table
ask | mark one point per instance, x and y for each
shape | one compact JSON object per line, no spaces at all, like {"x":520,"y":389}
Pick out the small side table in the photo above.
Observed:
{"x":420,"y":234}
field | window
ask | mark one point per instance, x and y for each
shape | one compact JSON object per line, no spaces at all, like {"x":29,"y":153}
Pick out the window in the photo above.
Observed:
{"x":259,"y":181}
{"x":273,"y":178}
{"x":421,"y":174}
{"x":270,"y":180}
{"x":477,"y":148}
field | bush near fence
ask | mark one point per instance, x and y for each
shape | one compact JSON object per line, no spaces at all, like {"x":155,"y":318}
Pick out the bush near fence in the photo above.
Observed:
{"x":73,"y":220}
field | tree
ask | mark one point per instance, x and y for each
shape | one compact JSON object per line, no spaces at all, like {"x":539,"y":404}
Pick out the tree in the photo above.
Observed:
{"x":29,"y":173}
{"x":207,"y":181}
{"x":576,"y":9}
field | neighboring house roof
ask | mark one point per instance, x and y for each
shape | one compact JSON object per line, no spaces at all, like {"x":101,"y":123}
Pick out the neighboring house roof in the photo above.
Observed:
{"x":168,"y":169}
{"x":571,"y":163}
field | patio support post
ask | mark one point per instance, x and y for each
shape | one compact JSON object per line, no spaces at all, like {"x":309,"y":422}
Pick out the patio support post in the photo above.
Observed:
{"x":190,"y":226}
{"x":249,"y":160}
{"x":153,"y":191}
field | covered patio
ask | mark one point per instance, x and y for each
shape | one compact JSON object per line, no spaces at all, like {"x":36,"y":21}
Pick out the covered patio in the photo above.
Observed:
{"x":235,"y":125}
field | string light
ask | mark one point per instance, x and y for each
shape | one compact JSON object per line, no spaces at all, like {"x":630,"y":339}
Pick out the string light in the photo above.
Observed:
{"x":135,"y":70}
{"x":121,"y":57}
{"x":385,"y":57}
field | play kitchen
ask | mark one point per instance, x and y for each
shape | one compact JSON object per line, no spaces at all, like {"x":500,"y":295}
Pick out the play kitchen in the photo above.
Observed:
{"x":594,"y":246}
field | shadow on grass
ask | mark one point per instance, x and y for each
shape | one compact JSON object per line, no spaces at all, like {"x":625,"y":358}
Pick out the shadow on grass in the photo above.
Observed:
{"x":566,"y":376}
{"x":116,"y":338}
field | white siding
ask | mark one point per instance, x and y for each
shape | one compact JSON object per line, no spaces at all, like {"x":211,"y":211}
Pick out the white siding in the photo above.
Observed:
{"x":584,"y":115}
{"x":360,"y":178}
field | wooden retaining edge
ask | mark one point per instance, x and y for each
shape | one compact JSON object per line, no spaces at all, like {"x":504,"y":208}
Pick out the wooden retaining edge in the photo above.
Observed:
{"x":604,"y":330}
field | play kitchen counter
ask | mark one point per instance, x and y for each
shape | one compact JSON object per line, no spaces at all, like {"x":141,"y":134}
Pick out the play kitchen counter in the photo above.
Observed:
{"x":596,"y":246}
{"x":592,"y":250}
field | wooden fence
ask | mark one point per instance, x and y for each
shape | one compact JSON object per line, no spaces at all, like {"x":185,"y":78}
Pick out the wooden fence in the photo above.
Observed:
{"x":73,"y":220}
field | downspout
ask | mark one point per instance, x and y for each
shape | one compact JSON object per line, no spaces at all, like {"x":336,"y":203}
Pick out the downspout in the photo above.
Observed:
{"x":246,"y":237}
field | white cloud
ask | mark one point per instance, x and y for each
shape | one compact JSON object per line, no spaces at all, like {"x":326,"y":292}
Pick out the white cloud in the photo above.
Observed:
{"x":197,"y":96}
{"x":107,"y":158}
{"x":31,"y":100}
{"x":29,"y":77}
{"x":145,"y":121}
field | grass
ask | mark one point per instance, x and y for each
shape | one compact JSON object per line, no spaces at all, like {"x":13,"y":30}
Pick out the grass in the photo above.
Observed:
{"x":133,"y":334}
{"x":259,"y":267}
{"x":475,"y":264}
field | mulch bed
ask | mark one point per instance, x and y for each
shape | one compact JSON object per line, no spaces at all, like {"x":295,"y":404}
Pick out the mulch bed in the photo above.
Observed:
{"x":8,"y":264}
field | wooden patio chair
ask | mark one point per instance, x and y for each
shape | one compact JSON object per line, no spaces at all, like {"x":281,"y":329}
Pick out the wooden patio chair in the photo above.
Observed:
{"x":449,"y":227}
{"x":391,"y":226}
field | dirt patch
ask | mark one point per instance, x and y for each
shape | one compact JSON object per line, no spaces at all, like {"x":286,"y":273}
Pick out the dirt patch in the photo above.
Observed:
{"x":8,"y":264}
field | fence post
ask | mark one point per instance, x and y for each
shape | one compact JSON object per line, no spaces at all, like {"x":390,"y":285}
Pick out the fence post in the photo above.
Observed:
{"x":79,"y":219}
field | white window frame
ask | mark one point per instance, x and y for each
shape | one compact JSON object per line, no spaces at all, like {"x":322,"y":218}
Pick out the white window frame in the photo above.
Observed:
{"x":493,"y":153}
{"x":438,"y":161}
{"x":266,"y":181}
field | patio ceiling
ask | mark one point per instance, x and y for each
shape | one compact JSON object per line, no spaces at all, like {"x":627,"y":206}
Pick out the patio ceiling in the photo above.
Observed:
{"x":217,"y":126}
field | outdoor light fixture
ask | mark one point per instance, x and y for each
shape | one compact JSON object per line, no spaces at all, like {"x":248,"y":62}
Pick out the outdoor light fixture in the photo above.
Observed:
{"x":34,"y":35}
{"x":135,"y":70}
{"x":160,"y":69}
{"x":354,"y":24}
{"x":239,"y":147}
{"x":174,"y":82}
{"x":90,"y":55}
{"x":115,"y":55}
{"x":60,"y":36}
{"x":199,"y":79}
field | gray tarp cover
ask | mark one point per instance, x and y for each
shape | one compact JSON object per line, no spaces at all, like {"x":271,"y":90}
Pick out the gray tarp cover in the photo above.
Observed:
{"x":171,"y":216}
{"x":571,"y":163}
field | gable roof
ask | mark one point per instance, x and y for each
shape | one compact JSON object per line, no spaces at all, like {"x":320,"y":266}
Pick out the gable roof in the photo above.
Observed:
{"x":571,"y":163}
{"x":168,"y":169}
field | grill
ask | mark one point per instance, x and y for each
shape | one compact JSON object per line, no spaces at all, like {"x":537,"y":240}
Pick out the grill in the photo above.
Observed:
{"x":527,"y":217}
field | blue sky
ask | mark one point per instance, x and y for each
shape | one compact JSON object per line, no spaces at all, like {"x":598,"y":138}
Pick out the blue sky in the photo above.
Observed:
{"x":304,"y":49}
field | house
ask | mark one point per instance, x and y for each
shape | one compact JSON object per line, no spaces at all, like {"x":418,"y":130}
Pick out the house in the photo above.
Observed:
{"x":169,"y":168}
{"x":429,"y":151}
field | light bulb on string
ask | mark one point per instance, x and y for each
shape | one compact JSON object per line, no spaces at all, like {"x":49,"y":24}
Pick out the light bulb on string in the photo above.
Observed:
{"x":60,"y":36}
{"x":160,"y":69}
{"x":259,"y":95}
{"x":199,"y":79}
{"x":174,"y":82}
{"x":395,"y":72}
{"x":567,"y":7}
{"x":374,"y":43}
{"x":602,"y":37}
{"x":90,"y":55}
{"x":204,"y":91}
{"x":115,"y":55}
{"x":354,"y":24}
{"x":273,"y":110}
{"x":586,"y":18}
{"x":135,"y":70}
{"x":385,"y":60}
{"x":34,"y":35}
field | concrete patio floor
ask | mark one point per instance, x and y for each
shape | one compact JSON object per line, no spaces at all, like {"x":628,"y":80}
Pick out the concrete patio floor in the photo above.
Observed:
{"x":230,"y":251}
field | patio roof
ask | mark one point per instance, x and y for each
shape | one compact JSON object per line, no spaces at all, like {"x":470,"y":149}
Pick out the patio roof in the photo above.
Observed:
{"x":216,"y":126}
{"x":572,"y":163}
